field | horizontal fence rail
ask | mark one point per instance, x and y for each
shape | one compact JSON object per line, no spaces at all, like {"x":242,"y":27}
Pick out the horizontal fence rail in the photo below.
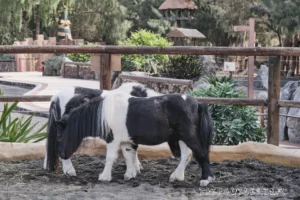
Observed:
{"x":191,"y":50}
{"x":29,"y":98}
{"x":289,"y":104}
{"x":233,"y":101}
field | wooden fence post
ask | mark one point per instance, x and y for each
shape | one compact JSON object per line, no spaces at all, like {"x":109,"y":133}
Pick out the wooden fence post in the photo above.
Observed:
{"x":262,"y":117}
{"x":105,"y":72}
{"x":273,"y":98}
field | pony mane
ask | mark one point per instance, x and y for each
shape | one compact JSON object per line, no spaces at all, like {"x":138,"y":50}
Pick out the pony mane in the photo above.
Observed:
{"x":86,"y":121}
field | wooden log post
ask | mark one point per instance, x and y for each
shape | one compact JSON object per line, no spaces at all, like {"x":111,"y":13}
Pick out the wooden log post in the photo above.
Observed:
{"x":105,"y":72}
{"x":273,"y":98}
{"x":262,"y":118}
{"x":251,"y":30}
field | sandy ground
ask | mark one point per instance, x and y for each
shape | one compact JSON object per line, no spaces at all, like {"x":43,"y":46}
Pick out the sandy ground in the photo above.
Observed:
{"x":248,"y":179}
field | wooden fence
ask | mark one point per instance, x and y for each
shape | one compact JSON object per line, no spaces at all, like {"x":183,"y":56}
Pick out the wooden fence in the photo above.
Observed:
{"x":273,"y":102}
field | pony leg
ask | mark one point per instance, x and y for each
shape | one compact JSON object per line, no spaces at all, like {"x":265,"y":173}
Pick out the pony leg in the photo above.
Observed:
{"x":129,"y":155}
{"x":137,"y":163}
{"x":178,"y":174}
{"x":67,"y":167}
{"x":206,"y":172}
{"x":201,"y":156}
{"x":111,"y":155}
{"x":45,"y":162}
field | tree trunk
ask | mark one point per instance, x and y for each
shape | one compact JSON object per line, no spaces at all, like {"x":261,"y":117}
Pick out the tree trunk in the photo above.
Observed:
{"x":25,"y":22}
{"x":37,"y":21}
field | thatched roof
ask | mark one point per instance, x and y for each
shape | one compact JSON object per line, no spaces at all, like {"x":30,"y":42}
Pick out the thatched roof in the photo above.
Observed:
{"x":185,"y":33}
{"x":178,"y":4}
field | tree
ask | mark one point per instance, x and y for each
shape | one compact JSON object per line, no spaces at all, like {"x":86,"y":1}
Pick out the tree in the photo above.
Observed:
{"x":18,"y":17}
{"x":144,"y":14}
{"x":281,"y":17}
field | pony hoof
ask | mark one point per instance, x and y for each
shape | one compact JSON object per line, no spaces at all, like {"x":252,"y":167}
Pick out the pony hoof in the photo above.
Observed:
{"x":70,"y":172}
{"x":104,"y":177}
{"x":129,"y":175}
{"x":176,"y":177}
{"x":204,"y":183}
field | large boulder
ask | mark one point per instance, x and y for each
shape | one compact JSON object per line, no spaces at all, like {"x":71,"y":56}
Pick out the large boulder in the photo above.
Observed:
{"x":287,"y":92}
{"x":293,"y":124}
{"x":209,"y":64}
{"x":262,"y":77}
{"x":262,"y":95}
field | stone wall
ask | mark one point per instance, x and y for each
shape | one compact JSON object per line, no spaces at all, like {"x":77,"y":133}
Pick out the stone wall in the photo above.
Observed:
{"x":8,"y":66}
{"x":164,"y":88}
{"x":79,"y":71}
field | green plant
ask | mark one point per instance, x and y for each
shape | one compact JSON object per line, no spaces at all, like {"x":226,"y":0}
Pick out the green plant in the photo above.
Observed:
{"x":80,"y":57}
{"x":213,"y":80}
{"x":6,"y":56}
{"x":183,"y":67}
{"x":18,"y":129}
{"x":149,"y":63}
{"x":53,"y":66}
{"x":232,"y":124}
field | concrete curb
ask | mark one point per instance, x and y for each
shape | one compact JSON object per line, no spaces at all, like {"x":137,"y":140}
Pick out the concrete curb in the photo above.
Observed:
{"x":265,"y":153}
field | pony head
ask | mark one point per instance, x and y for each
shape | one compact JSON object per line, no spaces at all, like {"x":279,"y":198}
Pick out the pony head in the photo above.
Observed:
{"x":64,"y":150}
{"x":80,"y":123}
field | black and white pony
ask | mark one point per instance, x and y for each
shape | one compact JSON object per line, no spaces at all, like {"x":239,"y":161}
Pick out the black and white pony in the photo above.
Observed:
{"x":124,"y":121}
{"x":64,"y":102}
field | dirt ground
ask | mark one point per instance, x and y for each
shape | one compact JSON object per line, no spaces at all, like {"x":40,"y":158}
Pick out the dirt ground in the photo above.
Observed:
{"x":248,"y":179}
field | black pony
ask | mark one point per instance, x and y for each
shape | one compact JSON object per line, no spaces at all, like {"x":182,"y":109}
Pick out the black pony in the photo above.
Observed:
{"x":120,"y":119}
{"x":68,"y":99}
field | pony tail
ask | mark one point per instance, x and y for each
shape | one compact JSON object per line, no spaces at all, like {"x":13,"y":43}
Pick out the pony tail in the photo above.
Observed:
{"x":205,"y":134}
{"x":52,"y":142}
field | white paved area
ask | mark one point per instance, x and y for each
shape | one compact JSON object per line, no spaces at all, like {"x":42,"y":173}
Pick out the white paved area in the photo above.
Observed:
{"x":45,"y":85}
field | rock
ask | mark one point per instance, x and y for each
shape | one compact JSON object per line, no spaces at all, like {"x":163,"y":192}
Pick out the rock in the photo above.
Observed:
{"x":209,"y":64}
{"x":201,"y":83}
{"x":286,"y":93}
{"x":262,"y":95}
{"x":242,"y":89}
{"x":262,"y":77}
{"x":293,"y":124}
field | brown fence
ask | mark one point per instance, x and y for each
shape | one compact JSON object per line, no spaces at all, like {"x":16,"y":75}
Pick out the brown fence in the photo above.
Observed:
{"x":273,"y":102}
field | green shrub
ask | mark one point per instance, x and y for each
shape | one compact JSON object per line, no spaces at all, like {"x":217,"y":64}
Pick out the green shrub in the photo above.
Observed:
{"x":18,"y":129}
{"x":80,"y":57}
{"x":53,"y":66}
{"x":213,"y":80}
{"x":183,"y":67}
{"x":6,"y":56}
{"x":148,"y":63}
{"x":232,"y":124}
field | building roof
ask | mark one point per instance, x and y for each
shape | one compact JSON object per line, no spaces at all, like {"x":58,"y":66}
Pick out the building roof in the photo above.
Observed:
{"x":178,"y":4}
{"x":185,"y":33}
